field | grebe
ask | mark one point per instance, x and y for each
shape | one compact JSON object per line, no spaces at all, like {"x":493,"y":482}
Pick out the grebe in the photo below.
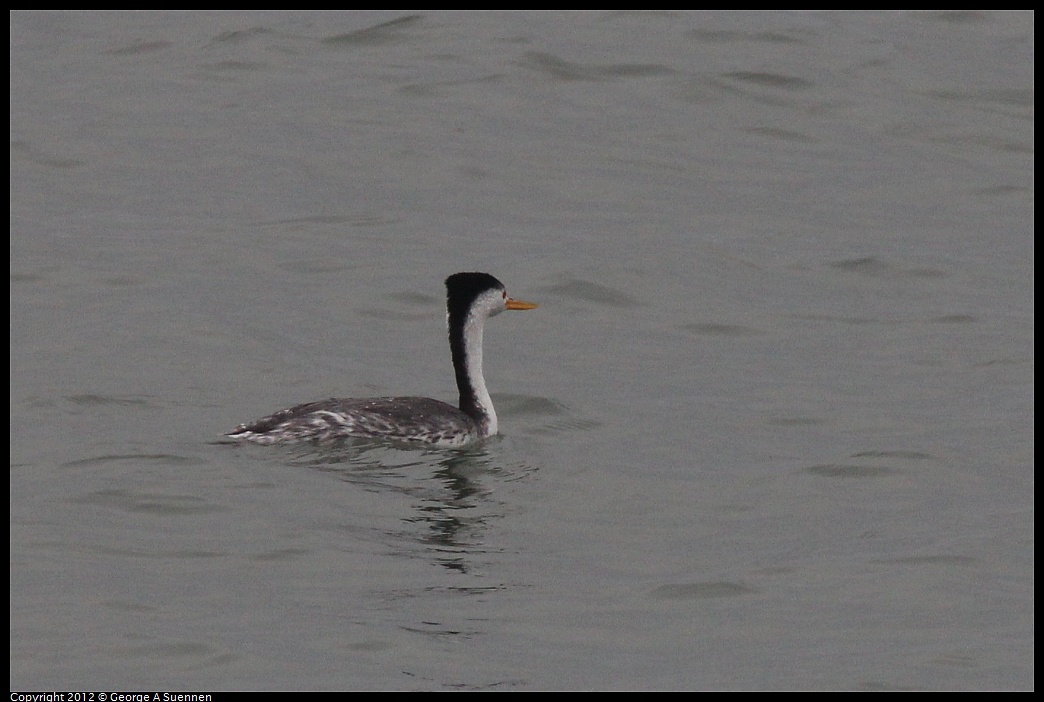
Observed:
{"x":470,"y":299}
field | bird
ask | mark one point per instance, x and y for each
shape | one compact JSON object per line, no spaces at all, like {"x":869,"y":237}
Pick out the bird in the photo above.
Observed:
{"x":471,"y":298}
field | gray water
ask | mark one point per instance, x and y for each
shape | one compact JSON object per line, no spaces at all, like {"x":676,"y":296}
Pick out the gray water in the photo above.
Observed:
{"x":770,"y":428}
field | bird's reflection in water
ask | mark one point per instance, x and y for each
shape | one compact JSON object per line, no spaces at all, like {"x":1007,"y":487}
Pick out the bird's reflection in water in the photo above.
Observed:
{"x":450,"y":491}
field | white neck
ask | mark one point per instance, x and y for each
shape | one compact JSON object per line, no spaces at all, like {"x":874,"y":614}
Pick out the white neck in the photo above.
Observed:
{"x":473,"y":327}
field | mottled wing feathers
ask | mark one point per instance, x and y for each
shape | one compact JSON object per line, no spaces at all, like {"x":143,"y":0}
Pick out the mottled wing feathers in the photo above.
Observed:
{"x":405,"y":418}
